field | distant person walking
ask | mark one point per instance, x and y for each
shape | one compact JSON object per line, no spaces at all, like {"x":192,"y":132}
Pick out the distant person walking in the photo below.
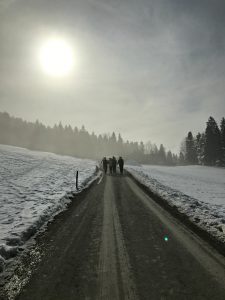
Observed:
{"x":105,"y":164}
{"x":121,"y":164}
{"x":110,"y":165}
{"x":114,"y":163}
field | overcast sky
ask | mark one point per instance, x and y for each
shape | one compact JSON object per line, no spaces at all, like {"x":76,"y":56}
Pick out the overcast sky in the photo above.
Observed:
{"x":149,"y":69}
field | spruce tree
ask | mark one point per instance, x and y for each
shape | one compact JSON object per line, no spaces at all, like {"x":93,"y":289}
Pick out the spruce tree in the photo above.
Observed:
{"x":181,"y":158}
{"x":175,"y":159}
{"x":191,"y":153}
{"x":162,"y":155}
{"x":169,"y":158}
{"x":200,"y":147}
{"x":212,"y":151}
{"x":120,"y":150}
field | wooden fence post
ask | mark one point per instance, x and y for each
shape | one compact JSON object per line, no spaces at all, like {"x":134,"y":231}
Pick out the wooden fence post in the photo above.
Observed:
{"x":77,"y":180}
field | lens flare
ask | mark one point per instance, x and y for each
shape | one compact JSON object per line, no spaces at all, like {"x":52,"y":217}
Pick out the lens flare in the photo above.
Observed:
{"x":166,"y":239}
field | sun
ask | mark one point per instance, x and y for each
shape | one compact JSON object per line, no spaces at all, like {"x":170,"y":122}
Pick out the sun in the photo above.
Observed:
{"x":56,"y":57}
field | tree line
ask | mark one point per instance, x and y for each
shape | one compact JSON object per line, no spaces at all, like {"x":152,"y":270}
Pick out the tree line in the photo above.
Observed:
{"x":206,"y":148}
{"x":77,"y":142}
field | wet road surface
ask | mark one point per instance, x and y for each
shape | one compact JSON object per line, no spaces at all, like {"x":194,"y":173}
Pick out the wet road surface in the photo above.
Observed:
{"x":115,"y":242}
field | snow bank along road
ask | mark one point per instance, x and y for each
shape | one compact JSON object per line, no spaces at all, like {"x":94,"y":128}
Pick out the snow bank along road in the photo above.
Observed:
{"x":114,"y":242}
{"x":34,"y":187}
{"x":198,"y":192}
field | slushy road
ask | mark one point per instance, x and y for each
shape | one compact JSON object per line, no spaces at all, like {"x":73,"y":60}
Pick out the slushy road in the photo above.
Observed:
{"x":114,"y":242}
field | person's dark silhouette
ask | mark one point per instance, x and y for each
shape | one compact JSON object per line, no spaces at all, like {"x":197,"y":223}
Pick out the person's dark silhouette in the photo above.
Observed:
{"x":105,"y":164}
{"x":114,"y":162}
{"x":121,"y":164}
{"x":110,"y":165}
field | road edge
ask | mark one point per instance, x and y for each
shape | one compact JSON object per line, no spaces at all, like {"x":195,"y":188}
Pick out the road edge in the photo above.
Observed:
{"x":31,"y":252}
{"x":173,"y":210}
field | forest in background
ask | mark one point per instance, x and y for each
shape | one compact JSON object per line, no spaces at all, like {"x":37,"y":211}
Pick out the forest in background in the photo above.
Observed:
{"x":77,"y":142}
{"x":207,"y":148}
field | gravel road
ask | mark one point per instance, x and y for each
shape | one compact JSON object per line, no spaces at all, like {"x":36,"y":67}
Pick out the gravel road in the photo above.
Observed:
{"x":114,"y":242}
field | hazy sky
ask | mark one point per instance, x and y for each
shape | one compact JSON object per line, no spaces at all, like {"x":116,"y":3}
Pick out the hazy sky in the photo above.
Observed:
{"x":149,"y":69}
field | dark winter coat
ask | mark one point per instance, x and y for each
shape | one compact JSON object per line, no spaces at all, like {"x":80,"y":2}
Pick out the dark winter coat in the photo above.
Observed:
{"x":120,"y":162}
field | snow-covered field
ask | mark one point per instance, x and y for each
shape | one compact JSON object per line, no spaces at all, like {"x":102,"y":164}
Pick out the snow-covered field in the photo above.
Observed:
{"x":34,"y":186}
{"x":197,"y":191}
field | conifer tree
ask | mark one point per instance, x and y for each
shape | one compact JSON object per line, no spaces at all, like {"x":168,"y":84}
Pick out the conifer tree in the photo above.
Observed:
{"x":169,"y":158}
{"x":181,"y":158}
{"x":212,"y":151}
{"x":191,"y":154}
{"x":200,"y":146}
{"x":175,"y":159}
{"x":162,"y":155}
{"x":120,"y":150}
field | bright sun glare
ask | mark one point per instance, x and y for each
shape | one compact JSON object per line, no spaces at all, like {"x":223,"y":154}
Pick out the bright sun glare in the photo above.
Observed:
{"x":56,"y":57}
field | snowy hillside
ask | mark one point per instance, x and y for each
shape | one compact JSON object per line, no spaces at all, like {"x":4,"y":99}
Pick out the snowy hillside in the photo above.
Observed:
{"x":197,"y":191}
{"x":33,"y":187}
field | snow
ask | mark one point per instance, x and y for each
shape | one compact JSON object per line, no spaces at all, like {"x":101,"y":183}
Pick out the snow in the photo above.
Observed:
{"x":34,"y":187}
{"x":197,"y":191}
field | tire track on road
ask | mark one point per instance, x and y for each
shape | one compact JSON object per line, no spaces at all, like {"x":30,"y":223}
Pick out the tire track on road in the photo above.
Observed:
{"x":115,"y":277}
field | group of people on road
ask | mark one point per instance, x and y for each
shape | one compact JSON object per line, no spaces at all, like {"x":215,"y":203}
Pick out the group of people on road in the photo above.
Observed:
{"x":112,"y":163}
